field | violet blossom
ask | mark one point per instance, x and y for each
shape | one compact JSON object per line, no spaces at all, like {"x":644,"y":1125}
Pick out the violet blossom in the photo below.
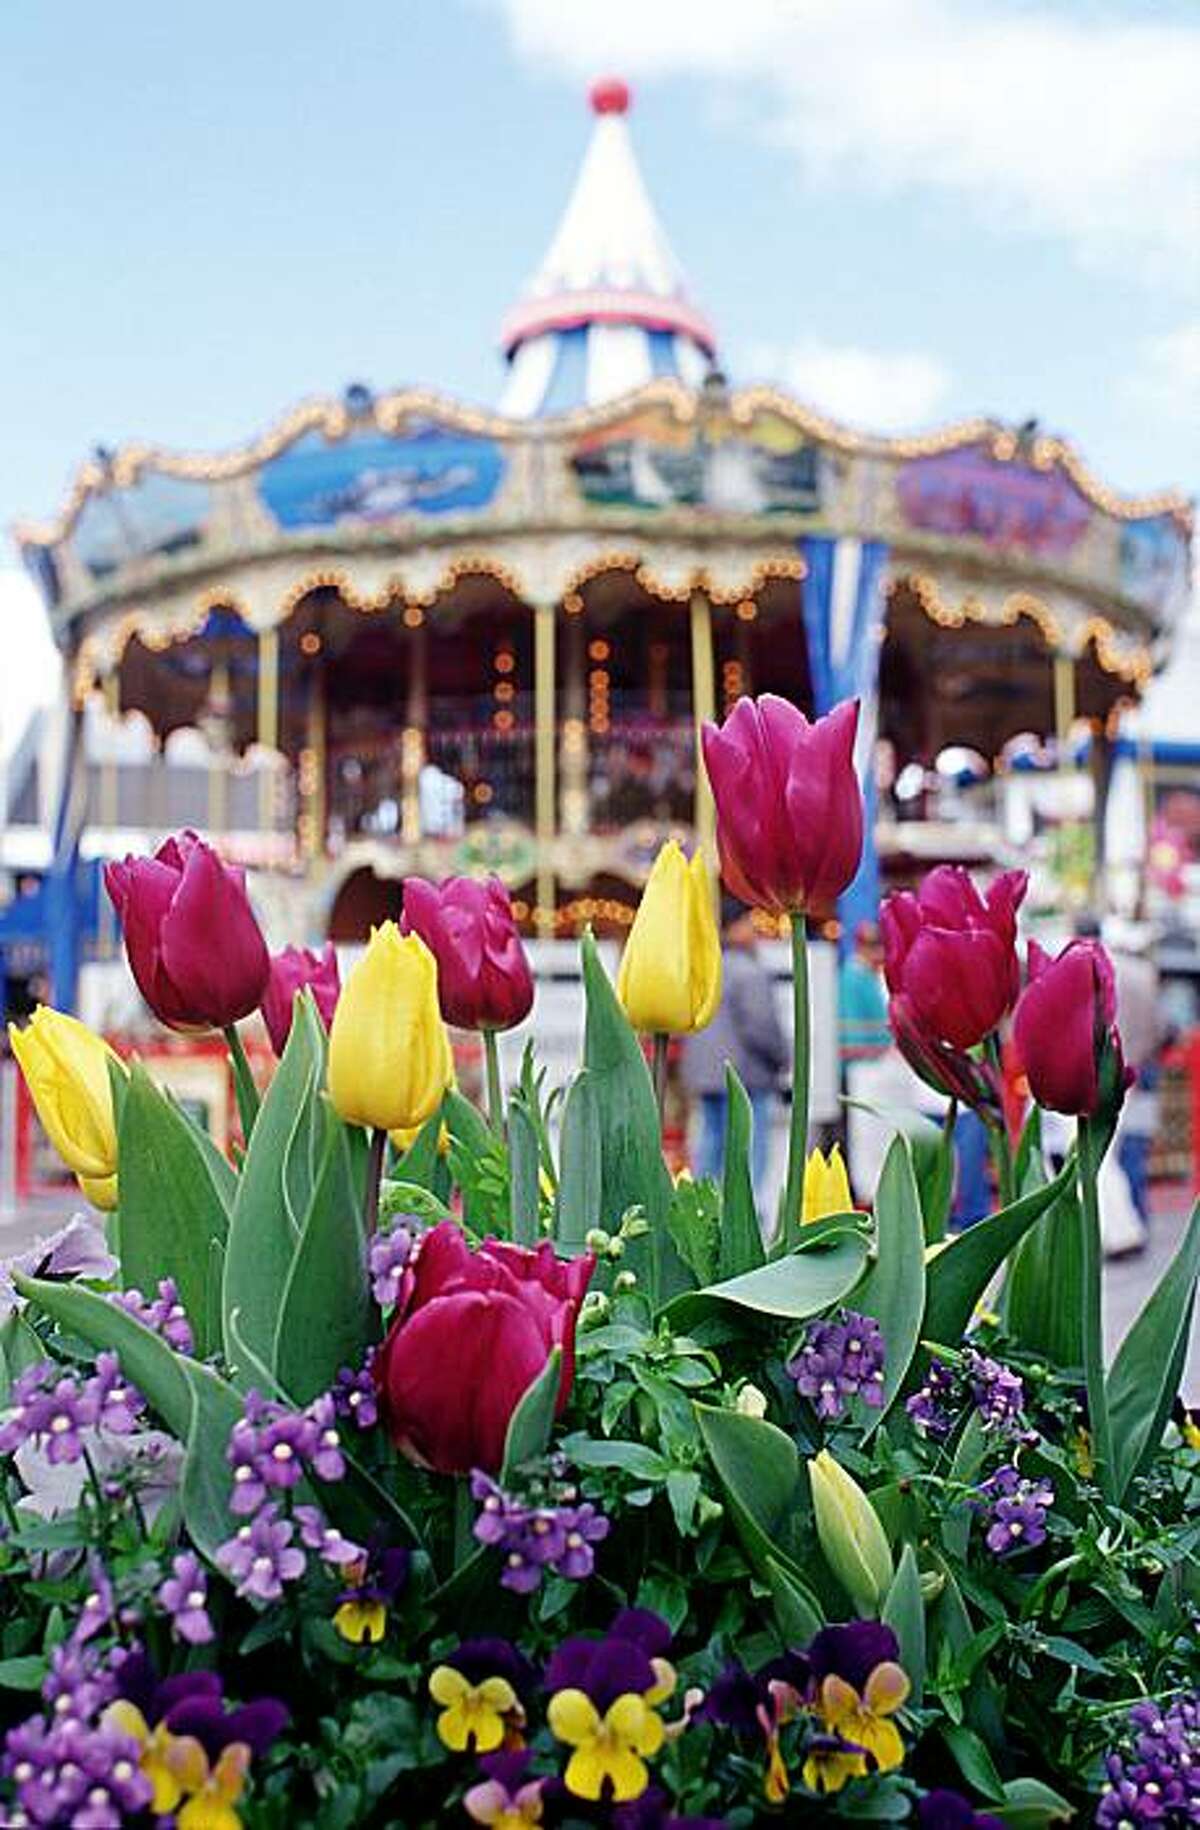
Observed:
{"x":164,"y":1314}
{"x":838,"y":1359}
{"x":184,"y":1596}
{"x":354,"y":1396}
{"x":388,"y":1257}
{"x":260,"y":1557}
{"x":1016,"y":1514}
{"x":1157,"y":1779}
{"x":555,"y":1533}
{"x":316,"y":1533}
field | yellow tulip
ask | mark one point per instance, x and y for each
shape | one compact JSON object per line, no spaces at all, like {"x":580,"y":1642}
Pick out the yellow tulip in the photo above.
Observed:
{"x":849,"y":1532}
{"x":66,"y":1068}
{"x":389,"y":1054}
{"x":669,"y":981}
{"x":826,"y":1186}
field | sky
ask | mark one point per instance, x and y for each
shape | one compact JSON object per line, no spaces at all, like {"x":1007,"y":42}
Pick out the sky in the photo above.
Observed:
{"x":904,"y":210}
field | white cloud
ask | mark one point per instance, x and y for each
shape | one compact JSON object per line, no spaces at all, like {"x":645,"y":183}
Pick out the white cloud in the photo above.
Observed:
{"x":884,"y":391}
{"x":1166,"y":376}
{"x":1084,"y":126}
{"x":31,"y":675}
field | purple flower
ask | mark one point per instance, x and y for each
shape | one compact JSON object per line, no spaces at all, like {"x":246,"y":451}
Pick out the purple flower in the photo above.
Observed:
{"x":164,"y":1314}
{"x":118,"y":1406}
{"x":98,"y":1605}
{"x":583,"y":1526}
{"x":354,"y":1396}
{"x":998,"y":1393}
{"x":943,"y":1810}
{"x":260,"y":1557}
{"x":316,"y":1533}
{"x":1017,"y":1513}
{"x":626,"y":1659}
{"x":184,"y":1596}
{"x":325,"y":1453}
{"x":935,"y":1406}
{"x":282,"y":1448}
{"x":66,"y":1411}
{"x":534,"y":1538}
{"x":388,"y":1258}
{"x":839,"y":1359}
{"x":70,"y":1772}
{"x":1157,"y":1778}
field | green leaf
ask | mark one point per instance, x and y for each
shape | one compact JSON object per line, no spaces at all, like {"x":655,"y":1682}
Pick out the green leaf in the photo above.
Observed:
{"x":894,"y":1288}
{"x":580,"y":1180}
{"x":408,"y":1198}
{"x":173,"y":1203}
{"x":529,"y":1427}
{"x":1048,"y":1262}
{"x":326,"y":1314}
{"x":471,"y":1136}
{"x":1031,"y":1805}
{"x":419,"y":1164}
{"x":1145,"y":1375}
{"x":270,"y":1205}
{"x":741,"y":1244}
{"x":959,"y":1272}
{"x":973,"y":1760}
{"x":804,"y":1283}
{"x":904,"y":1613}
{"x":523,"y":1173}
{"x":19,"y":1349}
{"x":632,"y":1170}
{"x":694,"y":1220}
{"x":683,"y":1491}
{"x":759,"y":1470}
{"x":797,"y":1613}
{"x":631,"y":1457}
{"x":197,"y":1407}
{"x":24,"y":1673}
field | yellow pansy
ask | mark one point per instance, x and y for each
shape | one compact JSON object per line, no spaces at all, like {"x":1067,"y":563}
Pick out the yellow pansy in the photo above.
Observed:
{"x":211,"y":1805}
{"x":473,"y":1715}
{"x":389,"y":1054}
{"x":669,"y":980}
{"x":830,"y":1763}
{"x":826,"y":1186}
{"x":863,"y":1721}
{"x":1190,"y":1431}
{"x":174,"y":1764}
{"x":361,"y":1622}
{"x":66,"y":1068}
{"x":608,"y":1758}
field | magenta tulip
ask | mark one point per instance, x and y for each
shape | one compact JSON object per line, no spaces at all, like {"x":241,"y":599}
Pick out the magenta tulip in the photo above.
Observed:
{"x":484,"y":981}
{"x":193,"y":943}
{"x":948,"y":1070}
{"x":1064,"y":1029}
{"x":952,"y":953}
{"x":299,"y":969}
{"x":789,"y":805}
{"x":472,"y":1332}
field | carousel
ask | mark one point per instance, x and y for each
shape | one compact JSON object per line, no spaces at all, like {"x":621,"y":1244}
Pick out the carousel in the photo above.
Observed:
{"x":413,"y":635}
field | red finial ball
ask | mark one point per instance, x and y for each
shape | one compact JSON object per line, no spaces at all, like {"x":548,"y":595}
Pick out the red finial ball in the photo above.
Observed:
{"x":609,"y":96}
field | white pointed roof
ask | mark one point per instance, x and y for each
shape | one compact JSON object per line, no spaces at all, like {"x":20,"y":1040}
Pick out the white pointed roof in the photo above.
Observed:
{"x":610,"y":262}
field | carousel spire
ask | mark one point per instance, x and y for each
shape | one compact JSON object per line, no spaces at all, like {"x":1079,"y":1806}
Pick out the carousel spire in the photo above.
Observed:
{"x":608,"y":308}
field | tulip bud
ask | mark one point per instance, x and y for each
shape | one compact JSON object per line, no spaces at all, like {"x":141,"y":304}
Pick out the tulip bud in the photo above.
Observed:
{"x":293,"y":970}
{"x":789,"y":805}
{"x":850,"y":1534}
{"x":389,"y":1055}
{"x":66,"y":1068}
{"x":826,"y":1186}
{"x":1065,"y":1033}
{"x":484,"y":981}
{"x":191,"y":938}
{"x":750,"y":1401}
{"x":952,"y":953}
{"x":669,"y":981}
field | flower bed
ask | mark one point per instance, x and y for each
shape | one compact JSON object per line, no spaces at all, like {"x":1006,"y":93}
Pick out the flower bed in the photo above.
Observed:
{"x":487,"y":1474}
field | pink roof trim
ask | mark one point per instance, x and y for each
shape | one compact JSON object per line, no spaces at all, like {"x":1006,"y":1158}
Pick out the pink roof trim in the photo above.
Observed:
{"x":568,"y":310}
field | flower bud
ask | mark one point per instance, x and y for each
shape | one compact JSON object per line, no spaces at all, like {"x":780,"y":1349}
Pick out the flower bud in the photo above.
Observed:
{"x":66,"y":1068}
{"x":826,"y":1186}
{"x":484,"y":980}
{"x":850,"y":1534}
{"x":669,"y":981}
{"x":389,"y":1055}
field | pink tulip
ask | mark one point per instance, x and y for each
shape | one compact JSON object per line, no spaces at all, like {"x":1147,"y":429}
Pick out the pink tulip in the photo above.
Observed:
{"x":472,"y":1332}
{"x":484,"y":981}
{"x":297,"y":969}
{"x":1064,"y":1029}
{"x":193,"y":943}
{"x":789,"y":805}
{"x":948,"y":1070}
{"x":952,"y":953}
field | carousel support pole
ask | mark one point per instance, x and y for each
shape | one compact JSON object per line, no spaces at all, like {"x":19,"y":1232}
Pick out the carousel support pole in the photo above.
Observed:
{"x":544,"y":768}
{"x":109,"y":805}
{"x":218,"y":749}
{"x":416,"y":718}
{"x":704,"y":710}
{"x":268,"y":722}
{"x":313,"y":775}
{"x":1064,"y":703}
{"x":574,"y":743}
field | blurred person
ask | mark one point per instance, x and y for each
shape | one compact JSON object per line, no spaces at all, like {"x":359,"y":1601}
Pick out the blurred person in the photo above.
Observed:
{"x":1143,"y":1030}
{"x":862,"y":1001}
{"x":746,"y":1033}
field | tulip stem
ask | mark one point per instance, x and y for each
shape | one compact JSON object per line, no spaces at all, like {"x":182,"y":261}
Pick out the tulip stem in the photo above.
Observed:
{"x":1091,"y":1269}
{"x":495,"y":1086}
{"x":245,"y":1090}
{"x":942,"y":1195}
{"x":375,"y":1152}
{"x":662,"y":1043}
{"x":793,"y":1194}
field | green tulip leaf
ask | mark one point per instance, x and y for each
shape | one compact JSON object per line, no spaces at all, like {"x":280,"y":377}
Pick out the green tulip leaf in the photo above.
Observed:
{"x":904,"y":1613}
{"x":305,"y":1147}
{"x":197,"y":1406}
{"x":19,"y":1350}
{"x":174,"y":1201}
{"x":741,"y":1244}
{"x":797,"y":1611}
{"x":959,"y":1272}
{"x":524,"y":1180}
{"x":1146,"y":1373}
{"x":894,"y":1288}
{"x":274,"y":1193}
{"x":760,"y":1472}
{"x":580,"y":1179}
{"x":326,"y":1316}
{"x":632,"y":1170}
{"x":807,"y":1281}
{"x":1048,"y":1261}
{"x":1030,"y":1804}
{"x":532,"y":1421}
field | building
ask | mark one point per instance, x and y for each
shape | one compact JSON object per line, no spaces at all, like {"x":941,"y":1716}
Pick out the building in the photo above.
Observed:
{"x":393,"y":633}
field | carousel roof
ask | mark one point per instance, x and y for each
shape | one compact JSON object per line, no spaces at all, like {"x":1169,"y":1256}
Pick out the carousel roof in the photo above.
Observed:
{"x":608,"y":308}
